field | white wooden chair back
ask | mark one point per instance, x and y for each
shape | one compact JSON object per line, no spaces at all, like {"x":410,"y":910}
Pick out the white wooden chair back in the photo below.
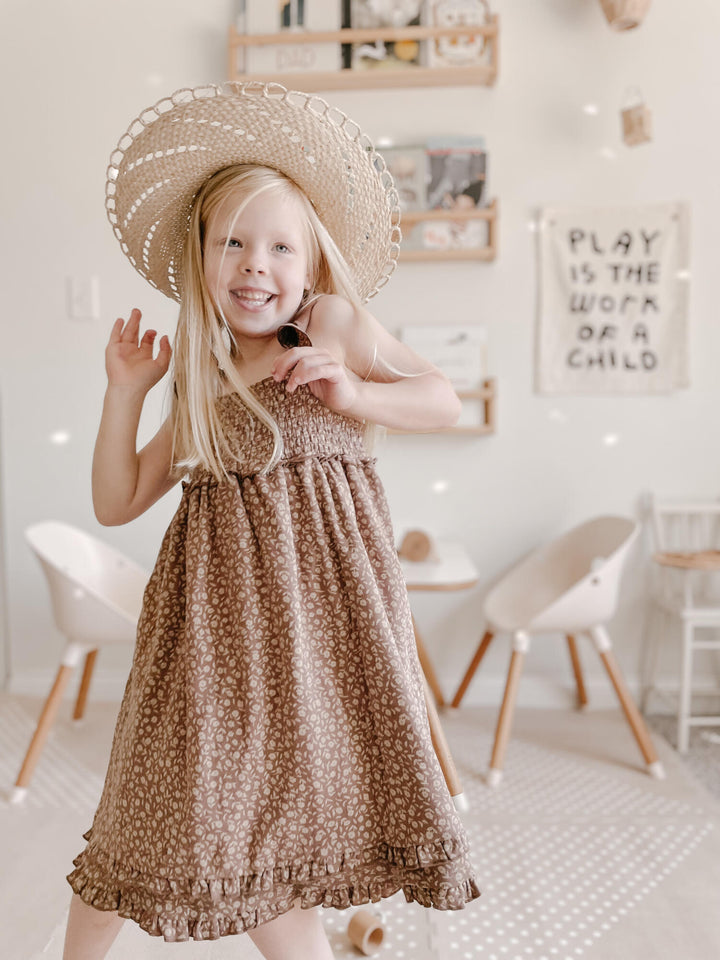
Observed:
{"x":685,"y":526}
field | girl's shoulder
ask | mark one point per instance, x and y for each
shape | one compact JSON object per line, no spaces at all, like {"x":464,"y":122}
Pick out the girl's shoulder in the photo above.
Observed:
{"x":346,"y":330}
{"x":330,"y":313}
{"x":330,"y":321}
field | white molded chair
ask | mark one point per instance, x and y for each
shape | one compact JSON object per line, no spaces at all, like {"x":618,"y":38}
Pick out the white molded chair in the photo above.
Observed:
{"x":685,"y":587}
{"x":568,"y":586}
{"x":96,"y":595}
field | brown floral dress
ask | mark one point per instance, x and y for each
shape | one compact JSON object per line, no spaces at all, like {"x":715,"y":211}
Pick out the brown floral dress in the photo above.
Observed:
{"x":273,"y":741}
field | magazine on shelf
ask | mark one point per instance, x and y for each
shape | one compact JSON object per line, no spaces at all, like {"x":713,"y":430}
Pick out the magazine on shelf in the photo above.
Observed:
{"x":409,"y":169}
{"x":268,"y":16}
{"x":384,"y":55}
{"x":461,"y":51}
{"x":457,"y":169}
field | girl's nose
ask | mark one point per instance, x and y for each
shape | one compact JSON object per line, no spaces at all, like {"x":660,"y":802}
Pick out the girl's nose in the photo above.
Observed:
{"x":253,"y":263}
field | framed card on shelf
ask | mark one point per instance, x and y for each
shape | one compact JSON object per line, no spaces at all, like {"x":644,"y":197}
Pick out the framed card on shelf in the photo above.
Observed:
{"x":458,"y":350}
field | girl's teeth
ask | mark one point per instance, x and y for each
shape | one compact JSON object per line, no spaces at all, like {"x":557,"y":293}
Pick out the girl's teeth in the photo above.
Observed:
{"x":255,"y":298}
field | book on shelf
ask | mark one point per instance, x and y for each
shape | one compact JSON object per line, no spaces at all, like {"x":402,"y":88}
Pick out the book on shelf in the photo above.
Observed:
{"x":465,"y":50}
{"x":409,"y":169}
{"x":382,"y":55}
{"x":268,"y":16}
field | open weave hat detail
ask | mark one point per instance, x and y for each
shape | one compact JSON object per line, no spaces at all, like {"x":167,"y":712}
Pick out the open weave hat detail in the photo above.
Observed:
{"x":172,"y":148}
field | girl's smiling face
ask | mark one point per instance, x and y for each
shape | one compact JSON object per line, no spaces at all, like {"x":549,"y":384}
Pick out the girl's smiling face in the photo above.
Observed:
{"x":256,"y":263}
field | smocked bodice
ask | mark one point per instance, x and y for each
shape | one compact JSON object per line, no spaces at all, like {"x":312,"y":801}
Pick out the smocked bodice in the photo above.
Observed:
{"x":309,"y":429}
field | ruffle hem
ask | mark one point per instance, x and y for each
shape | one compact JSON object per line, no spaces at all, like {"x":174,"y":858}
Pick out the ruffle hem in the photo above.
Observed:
{"x":180,"y":909}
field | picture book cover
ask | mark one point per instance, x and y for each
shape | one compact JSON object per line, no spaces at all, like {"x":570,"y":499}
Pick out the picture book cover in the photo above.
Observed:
{"x":460,"y":51}
{"x":457,"y":169}
{"x":385,"y":55}
{"x":409,"y":168}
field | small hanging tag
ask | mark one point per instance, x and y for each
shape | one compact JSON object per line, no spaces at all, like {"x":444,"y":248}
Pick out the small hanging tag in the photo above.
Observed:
{"x":636,"y":119}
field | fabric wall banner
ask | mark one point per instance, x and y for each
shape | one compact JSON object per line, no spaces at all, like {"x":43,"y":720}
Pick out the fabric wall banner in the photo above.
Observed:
{"x":612,"y":314}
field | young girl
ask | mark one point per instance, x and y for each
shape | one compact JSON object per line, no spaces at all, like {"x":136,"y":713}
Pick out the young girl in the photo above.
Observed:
{"x":272,"y":752}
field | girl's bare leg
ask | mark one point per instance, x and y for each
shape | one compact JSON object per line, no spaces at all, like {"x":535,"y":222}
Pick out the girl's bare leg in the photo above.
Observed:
{"x":296,"y":935}
{"x":90,"y":932}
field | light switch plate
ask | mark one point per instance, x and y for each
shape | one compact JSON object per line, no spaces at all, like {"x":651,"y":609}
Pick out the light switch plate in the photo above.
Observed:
{"x":83,"y":298}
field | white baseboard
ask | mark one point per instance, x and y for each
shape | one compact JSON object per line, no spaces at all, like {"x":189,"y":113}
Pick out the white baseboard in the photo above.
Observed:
{"x":106,"y":684}
{"x":536,"y":692}
{"x":484,"y":691}
{"x":543,"y":693}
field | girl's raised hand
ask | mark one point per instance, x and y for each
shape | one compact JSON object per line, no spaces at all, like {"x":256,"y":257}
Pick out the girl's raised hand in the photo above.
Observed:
{"x":129,"y":362}
{"x":326,"y":377}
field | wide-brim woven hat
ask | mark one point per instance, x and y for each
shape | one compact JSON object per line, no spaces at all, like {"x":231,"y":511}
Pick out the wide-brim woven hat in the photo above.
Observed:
{"x":172,"y":148}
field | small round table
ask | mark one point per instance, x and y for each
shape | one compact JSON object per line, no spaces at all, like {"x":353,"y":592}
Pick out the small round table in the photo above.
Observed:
{"x":449,"y":569}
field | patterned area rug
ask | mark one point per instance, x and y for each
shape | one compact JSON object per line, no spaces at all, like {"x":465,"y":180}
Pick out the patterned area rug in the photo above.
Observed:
{"x":703,"y":756}
{"x":580,"y":854}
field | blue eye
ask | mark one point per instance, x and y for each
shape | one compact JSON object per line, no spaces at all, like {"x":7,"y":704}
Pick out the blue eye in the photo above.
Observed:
{"x":282,"y":247}
{"x":233,"y":243}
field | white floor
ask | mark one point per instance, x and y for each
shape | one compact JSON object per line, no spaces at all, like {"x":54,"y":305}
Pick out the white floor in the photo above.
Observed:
{"x":580,"y":854}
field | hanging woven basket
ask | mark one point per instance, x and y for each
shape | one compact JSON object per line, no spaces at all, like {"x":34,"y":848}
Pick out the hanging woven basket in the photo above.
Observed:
{"x":624,"y":14}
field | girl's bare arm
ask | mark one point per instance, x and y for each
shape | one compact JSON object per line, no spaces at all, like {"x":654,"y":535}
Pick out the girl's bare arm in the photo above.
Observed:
{"x":124,"y":482}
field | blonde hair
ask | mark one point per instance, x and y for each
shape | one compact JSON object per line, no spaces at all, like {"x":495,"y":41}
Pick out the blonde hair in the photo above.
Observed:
{"x":204,"y":351}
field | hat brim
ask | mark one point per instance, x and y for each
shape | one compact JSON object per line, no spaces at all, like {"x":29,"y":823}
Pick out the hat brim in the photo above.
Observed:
{"x":172,"y":148}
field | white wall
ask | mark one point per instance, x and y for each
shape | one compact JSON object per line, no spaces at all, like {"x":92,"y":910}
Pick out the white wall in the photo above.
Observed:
{"x":76,"y":73}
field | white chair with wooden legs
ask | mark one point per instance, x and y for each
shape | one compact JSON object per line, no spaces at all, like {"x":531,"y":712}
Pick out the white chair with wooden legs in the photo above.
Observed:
{"x":96,"y":594}
{"x":569,"y":586}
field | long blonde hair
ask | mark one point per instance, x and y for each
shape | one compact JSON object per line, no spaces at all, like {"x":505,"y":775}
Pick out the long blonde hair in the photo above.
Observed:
{"x":204,"y":352}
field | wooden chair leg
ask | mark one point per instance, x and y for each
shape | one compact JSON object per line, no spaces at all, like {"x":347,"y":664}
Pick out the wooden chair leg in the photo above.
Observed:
{"x":632,"y":714}
{"x":447,"y":764}
{"x":427,"y":667}
{"x":685,"y":700}
{"x":470,"y":672}
{"x":41,"y":732}
{"x":81,"y":701}
{"x":577,"y":670}
{"x":655,"y":624}
{"x":521,"y":642}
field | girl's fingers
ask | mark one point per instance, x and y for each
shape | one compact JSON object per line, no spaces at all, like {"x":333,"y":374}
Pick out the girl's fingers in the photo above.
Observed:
{"x":164,"y":353}
{"x":147,"y":341}
{"x":320,"y":368}
{"x":116,"y":330}
{"x":132,"y":327}
{"x":289,"y":360}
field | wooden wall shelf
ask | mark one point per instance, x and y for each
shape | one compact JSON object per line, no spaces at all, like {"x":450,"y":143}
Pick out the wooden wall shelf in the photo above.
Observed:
{"x":347,"y":79}
{"x":486,"y":253}
{"x":487,"y":393}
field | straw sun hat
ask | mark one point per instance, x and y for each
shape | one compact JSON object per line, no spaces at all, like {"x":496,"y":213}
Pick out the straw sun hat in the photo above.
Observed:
{"x":172,"y":148}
